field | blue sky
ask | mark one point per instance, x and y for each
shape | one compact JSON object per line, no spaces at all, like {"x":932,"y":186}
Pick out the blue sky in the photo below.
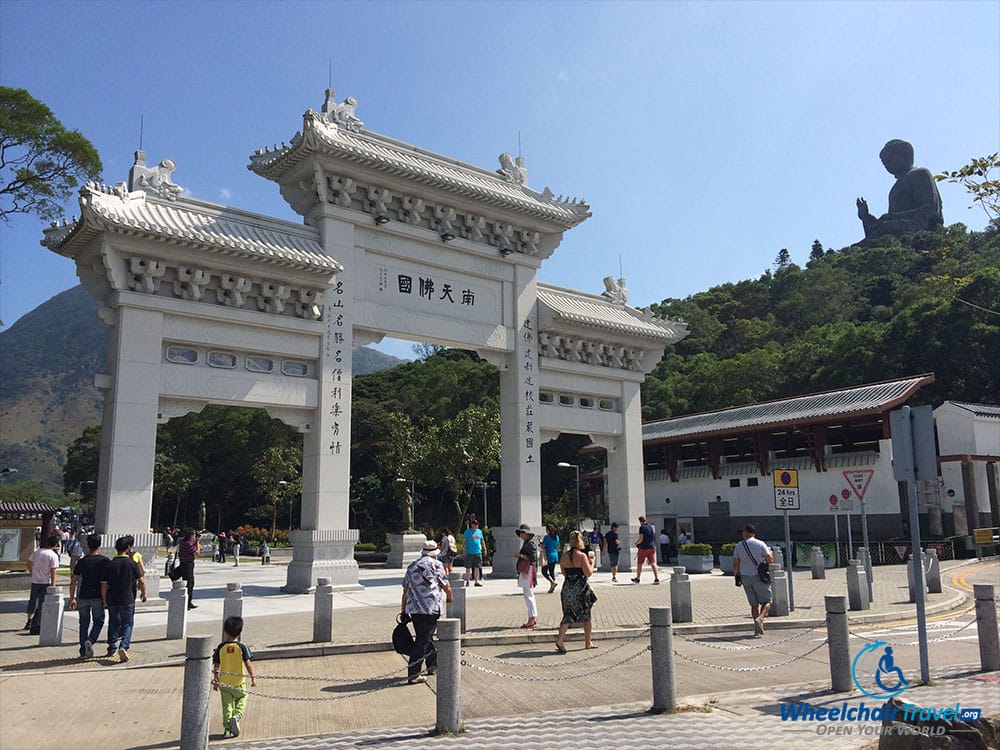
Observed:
{"x":705,"y":136}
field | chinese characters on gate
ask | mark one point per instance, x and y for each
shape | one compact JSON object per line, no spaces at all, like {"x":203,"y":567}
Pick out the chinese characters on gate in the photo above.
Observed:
{"x":530,"y":388}
{"x":334,"y":357}
{"x":427,"y":288}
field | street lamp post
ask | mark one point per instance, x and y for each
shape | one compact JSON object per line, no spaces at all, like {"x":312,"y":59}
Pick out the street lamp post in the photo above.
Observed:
{"x":484,"y":485}
{"x":564,"y":465}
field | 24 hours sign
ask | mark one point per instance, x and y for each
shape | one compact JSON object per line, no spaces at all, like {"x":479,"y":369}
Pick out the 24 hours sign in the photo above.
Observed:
{"x":786,"y":489}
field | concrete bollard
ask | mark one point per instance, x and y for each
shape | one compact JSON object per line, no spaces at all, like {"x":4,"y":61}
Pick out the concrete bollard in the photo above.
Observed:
{"x":865,"y":558}
{"x":456,"y":607}
{"x":323,"y":611}
{"x":197,"y":691}
{"x":680,"y":596}
{"x":913,"y":574}
{"x":837,"y":643}
{"x":857,"y":586}
{"x":818,"y":561}
{"x":986,"y":623}
{"x":779,"y":594}
{"x":232,"y":602}
{"x":51,"y":630}
{"x":779,"y":556}
{"x":449,"y":675}
{"x":933,"y":568}
{"x":661,"y":645}
{"x":177,"y":611}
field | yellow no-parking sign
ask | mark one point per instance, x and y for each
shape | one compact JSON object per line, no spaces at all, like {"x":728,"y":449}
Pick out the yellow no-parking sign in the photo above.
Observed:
{"x":786,"y":489}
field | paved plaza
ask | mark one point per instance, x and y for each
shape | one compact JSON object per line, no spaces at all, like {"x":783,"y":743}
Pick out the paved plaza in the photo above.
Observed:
{"x":515,"y":689}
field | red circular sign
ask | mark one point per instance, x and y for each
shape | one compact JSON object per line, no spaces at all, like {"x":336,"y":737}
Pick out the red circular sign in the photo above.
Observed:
{"x":845,"y":494}
{"x":833,"y":499}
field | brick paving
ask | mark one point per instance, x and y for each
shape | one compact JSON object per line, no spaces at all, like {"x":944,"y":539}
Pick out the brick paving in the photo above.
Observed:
{"x":382,"y":711}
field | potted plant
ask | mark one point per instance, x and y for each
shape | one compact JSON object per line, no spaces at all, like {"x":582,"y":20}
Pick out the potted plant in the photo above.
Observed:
{"x":696,"y":558}
{"x":726,"y":558}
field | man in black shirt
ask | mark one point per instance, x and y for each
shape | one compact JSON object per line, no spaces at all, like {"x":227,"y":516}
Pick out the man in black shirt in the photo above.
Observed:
{"x":118,"y":586}
{"x":87,"y":574}
{"x":613,"y":544}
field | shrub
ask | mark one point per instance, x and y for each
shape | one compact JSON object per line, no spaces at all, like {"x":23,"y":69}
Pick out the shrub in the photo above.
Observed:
{"x":364,"y":547}
{"x":696,"y":549}
{"x":728,"y":549}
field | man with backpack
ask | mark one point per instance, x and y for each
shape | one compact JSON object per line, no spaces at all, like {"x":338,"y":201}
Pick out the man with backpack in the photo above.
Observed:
{"x":748,"y":556}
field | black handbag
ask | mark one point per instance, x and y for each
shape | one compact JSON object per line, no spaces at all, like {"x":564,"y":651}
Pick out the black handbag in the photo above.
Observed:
{"x":763,"y":570}
{"x":402,"y":638}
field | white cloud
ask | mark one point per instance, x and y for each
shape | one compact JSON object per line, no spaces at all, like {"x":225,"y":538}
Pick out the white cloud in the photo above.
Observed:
{"x":563,"y":76}
{"x":225,"y":194}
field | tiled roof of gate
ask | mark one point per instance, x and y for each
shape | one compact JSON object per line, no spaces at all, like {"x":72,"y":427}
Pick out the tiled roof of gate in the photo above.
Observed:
{"x":873,"y":398}
{"x":598,"y":312}
{"x":194,"y":223}
{"x":403,"y":160}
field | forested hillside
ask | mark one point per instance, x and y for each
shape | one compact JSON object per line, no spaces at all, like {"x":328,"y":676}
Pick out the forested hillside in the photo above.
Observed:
{"x":852,"y":316}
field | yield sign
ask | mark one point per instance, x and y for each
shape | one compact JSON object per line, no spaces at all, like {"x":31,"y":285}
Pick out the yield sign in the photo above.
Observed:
{"x":859,"y":481}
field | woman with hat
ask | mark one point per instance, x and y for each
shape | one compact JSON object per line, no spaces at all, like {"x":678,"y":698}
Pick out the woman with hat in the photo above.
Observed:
{"x":423,"y":584}
{"x":527,"y":559}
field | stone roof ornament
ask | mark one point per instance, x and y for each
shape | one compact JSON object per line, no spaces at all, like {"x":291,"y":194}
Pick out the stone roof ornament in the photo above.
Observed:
{"x":153,"y":180}
{"x":513,"y":170}
{"x":341,"y":114}
{"x":615,"y":290}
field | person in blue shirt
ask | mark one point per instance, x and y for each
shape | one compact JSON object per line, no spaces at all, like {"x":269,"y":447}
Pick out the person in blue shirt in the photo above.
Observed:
{"x":473,"y":553}
{"x":550,"y":542}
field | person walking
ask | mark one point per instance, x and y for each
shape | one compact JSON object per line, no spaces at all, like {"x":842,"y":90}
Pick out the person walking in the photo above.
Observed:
{"x":613,"y":544}
{"x":647,"y":550}
{"x":664,"y":541}
{"x":187,"y":551}
{"x":550,"y":543}
{"x":121,"y":578}
{"x":423,"y":584}
{"x":474,"y":539}
{"x":236,"y":541}
{"x":42,"y":565}
{"x":527,"y":559}
{"x":448,"y":550}
{"x":747,"y":555}
{"x":228,"y":661}
{"x":85,"y":594}
{"x":576,"y":596}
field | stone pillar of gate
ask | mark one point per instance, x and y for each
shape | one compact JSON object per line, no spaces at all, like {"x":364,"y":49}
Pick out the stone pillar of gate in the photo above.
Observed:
{"x":323,"y":547}
{"x":128,"y":427}
{"x":520,"y":436}
{"x":626,"y":485}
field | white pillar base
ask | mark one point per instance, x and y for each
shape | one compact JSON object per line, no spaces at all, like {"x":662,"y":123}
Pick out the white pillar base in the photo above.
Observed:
{"x":404,"y":549}
{"x":326,"y":553}
{"x":508,"y":545}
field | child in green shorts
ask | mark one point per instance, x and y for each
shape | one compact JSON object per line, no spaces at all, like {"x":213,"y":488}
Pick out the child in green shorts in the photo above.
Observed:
{"x":227,"y":675}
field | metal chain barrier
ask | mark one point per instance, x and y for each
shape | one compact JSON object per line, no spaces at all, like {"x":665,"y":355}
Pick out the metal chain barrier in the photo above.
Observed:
{"x":762,"y":644}
{"x":917,"y":642}
{"x":509,"y":663}
{"x":558,"y":678}
{"x":750,"y":669}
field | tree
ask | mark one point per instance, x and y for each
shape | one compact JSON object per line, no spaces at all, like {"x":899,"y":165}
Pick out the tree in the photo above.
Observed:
{"x":985,"y":191}
{"x":783,"y":258}
{"x":41,"y":162}
{"x":278,"y":474}
{"x":817,"y":250}
{"x":83,"y":459}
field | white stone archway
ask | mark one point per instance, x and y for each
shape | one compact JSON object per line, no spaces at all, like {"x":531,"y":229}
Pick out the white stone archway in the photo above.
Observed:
{"x":213,"y":305}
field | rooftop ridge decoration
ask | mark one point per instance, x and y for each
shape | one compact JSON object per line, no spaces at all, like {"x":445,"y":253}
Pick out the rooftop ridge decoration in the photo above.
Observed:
{"x":341,"y":114}
{"x":323,"y":134}
{"x":155,"y":180}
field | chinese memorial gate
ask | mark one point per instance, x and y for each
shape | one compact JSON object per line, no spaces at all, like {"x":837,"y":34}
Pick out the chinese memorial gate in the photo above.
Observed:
{"x":210,"y":304}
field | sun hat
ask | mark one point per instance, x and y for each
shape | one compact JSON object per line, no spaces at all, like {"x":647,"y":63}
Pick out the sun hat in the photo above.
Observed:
{"x":430,"y":549}
{"x":524,"y":529}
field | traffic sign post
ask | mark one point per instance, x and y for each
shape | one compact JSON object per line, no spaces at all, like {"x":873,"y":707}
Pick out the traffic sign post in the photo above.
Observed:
{"x":859,"y":480}
{"x":914,"y":455}
{"x":786,"y":498}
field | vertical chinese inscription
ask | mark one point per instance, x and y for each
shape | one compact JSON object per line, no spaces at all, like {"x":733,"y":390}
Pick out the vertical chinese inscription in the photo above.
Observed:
{"x":529,"y":387}
{"x":333,"y":361}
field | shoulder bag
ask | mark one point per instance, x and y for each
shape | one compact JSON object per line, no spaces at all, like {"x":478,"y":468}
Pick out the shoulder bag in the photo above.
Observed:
{"x":763,"y":571}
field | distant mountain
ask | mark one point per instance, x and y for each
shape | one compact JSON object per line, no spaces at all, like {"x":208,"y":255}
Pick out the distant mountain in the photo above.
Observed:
{"x":48,"y":360}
